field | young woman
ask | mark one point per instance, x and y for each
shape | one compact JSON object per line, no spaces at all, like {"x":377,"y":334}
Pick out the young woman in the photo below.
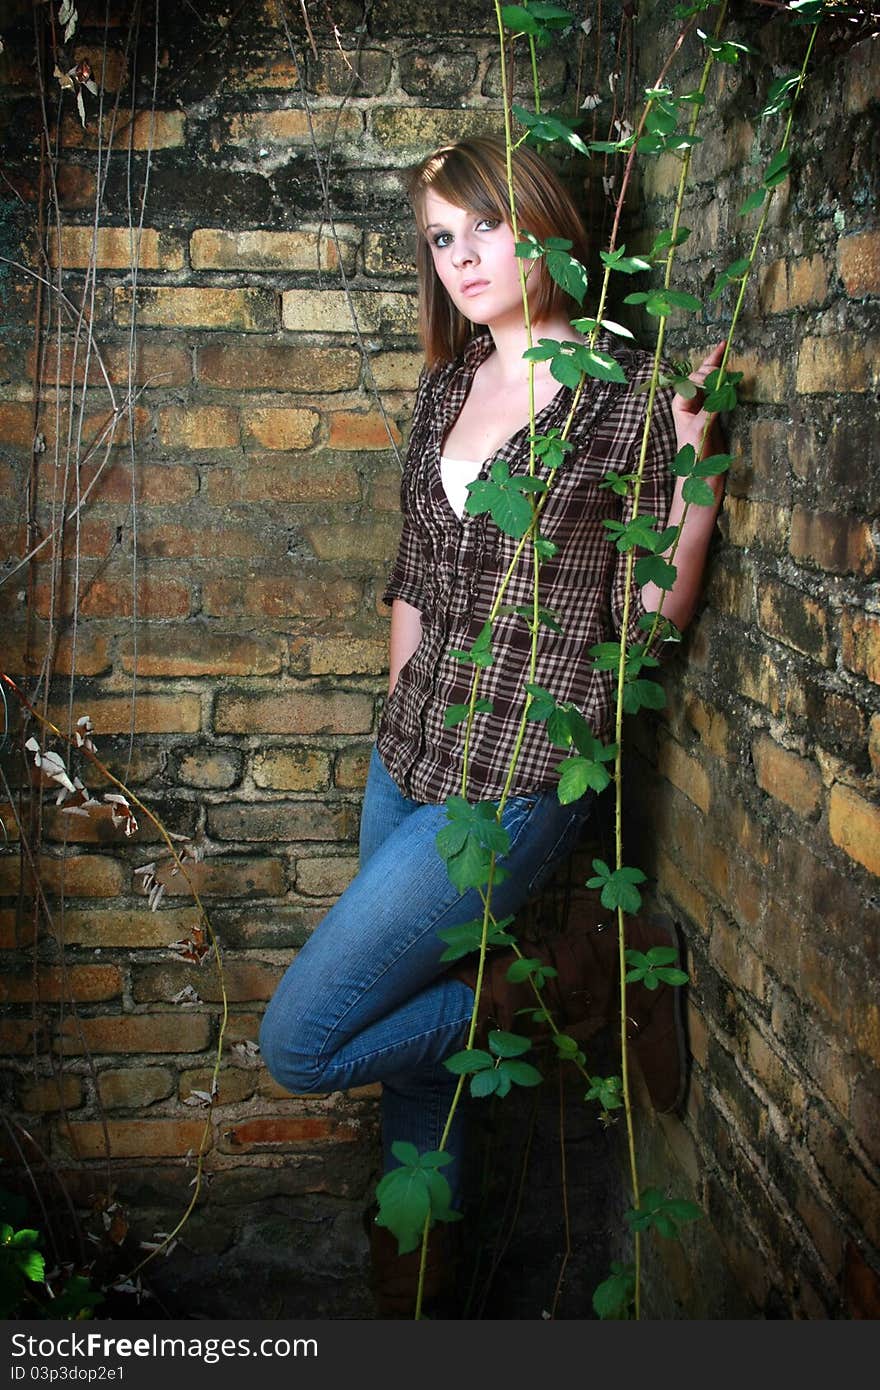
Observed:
{"x":367,"y":998}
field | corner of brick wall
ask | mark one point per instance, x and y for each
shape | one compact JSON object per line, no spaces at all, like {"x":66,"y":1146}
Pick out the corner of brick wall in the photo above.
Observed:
{"x":759,"y":800}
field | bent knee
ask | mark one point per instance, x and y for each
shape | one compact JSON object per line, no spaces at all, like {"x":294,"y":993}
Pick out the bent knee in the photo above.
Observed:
{"x":296,"y":1069}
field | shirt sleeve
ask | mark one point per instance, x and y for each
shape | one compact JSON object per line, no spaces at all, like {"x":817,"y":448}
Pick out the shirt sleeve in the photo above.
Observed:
{"x":407,"y":574}
{"x":655,"y":497}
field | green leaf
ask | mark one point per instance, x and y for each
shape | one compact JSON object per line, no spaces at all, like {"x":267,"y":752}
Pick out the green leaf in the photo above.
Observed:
{"x":565,"y":370}
{"x":606,"y":656}
{"x":544,"y":549}
{"x":722,"y":398}
{"x":480,"y":653}
{"x":405,"y":1152}
{"x":666,"y":239}
{"x":618,"y":887}
{"x":607,"y":1090}
{"x":698,"y":492}
{"x":32,"y":1265}
{"x":508,"y":1044}
{"x":467,"y":842}
{"x":470,"y":1060}
{"x":567,"y":272}
{"x":551,"y":448}
{"x":753,"y":201}
{"x":664,"y":1213}
{"x":639,"y":694}
{"x":780,"y":95}
{"x":618,"y":483}
{"x":546,"y":129}
{"x":530,"y":968}
{"x":777,"y":170}
{"x":684,"y":461}
{"x":521,"y":1073}
{"x":613,"y":1298}
{"x":485,"y":1083}
{"x":516,"y":18}
{"x":600,"y":365}
{"x":653,"y":569}
{"x":413,"y":1193}
{"x":628,"y":265}
{"x":503,"y":497}
{"x":580,"y":775}
{"x":566,"y":1046}
{"x":541,"y":705}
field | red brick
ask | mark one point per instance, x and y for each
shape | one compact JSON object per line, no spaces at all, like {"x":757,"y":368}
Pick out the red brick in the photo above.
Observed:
{"x":170,"y":540}
{"x":318,"y":480}
{"x":295,"y":126}
{"x":17,"y":930}
{"x":100,"y":428}
{"x":148,"y":129}
{"x":792,"y":284}
{"x":861,"y":1285}
{"x":790,"y":778}
{"x":199,"y":427}
{"x":735,"y":959}
{"x":77,"y":186}
{"x":269,"y":1133}
{"x":836,"y":364}
{"x":359,"y":430}
{"x":112,"y":598}
{"x":83,"y":983}
{"x":155,"y":484}
{"x":80,"y":876}
{"x":233,"y":1084}
{"x":168,"y":1032}
{"x":684,"y":772}
{"x":17,"y":1036}
{"x":278,"y":367}
{"x":860,"y":640}
{"x":115,"y":248}
{"x":303,"y":711}
{"x":278,"y":427}
{"x":353,"y":541}
{"x":281,"y":598}
{"x":839,"y":544}
{"x":195,"y":650}
{"x":675,"y":885}
{"x":93,"y":540}
{"x":134,"y":1138}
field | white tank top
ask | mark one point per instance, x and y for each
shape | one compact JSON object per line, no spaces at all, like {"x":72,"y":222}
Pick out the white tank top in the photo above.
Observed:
{"x":455,"y":474}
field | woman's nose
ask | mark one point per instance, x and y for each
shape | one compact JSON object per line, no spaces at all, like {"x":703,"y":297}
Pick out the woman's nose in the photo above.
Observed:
{"x":463,"y":253}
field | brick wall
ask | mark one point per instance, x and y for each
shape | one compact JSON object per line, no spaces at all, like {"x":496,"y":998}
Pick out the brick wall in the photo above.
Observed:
{"x":265,"y":478}
{"x":759,"y":799}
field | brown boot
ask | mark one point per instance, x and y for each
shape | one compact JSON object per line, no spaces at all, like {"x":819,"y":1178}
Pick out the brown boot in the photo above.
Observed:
{"x":395,"y":1278}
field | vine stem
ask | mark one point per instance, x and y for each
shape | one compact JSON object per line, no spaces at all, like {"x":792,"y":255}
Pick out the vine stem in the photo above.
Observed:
{"x":47,"y":725}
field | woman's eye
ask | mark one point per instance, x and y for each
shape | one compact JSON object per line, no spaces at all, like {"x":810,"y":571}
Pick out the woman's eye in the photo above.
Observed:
{"x":441,"y":239}
{"x":488,"y":224}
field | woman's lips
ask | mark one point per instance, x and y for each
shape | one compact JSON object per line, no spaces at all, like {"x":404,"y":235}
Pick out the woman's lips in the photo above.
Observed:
{"x":471,"y":287}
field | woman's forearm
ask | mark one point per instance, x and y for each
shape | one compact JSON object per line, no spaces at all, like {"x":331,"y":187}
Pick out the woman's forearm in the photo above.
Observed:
{"x":406,"y":634}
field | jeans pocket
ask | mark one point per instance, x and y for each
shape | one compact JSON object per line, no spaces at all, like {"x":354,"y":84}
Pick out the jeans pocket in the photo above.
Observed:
{"x":515,"y":815}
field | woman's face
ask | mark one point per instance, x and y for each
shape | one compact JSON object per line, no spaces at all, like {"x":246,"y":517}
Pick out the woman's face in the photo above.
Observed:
{"x":474,"y":259}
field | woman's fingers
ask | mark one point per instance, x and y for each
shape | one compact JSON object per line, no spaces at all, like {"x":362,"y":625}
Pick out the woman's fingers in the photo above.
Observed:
{"x":710,"y":363}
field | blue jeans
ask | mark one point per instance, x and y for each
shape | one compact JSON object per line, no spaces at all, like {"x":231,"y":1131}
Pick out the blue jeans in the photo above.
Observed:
{"x":367,"y":998}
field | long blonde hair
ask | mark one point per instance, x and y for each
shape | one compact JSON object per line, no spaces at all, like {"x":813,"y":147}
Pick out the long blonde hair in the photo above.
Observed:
{"x":472,"y":174}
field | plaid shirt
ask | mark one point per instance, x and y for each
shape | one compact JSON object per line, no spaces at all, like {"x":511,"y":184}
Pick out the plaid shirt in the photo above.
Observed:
{"x":450,"y":570}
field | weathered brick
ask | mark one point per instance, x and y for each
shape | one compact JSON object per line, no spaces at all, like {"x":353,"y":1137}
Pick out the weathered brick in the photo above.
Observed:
{"x":862,"y":78}
{"x":836,"y":364}
{"x":390,"y":253}
{"x":115,"y":248}
{"x":242,"y":979}
{"x":83,"y":983}
{"x":232,"y":1084}
{"x":270,"y":1133}
{"x":302,"y":711}
{"x":850,"y":1182}
{"x":405,"y":134}
{"x":244,"y":310}
{"x":133,"y":927}
{"x":294,"y":127}
{"x":351,"y":767}
{"x":216,"y":249}
{"x":210,"y":767}
{"x":747,"y":523}
{"x":195,"y":650}
{"x":735,"y":958}
{"x":291,"y":769}
{"x":362,"y":430}
{"x":874,"y":743}
{"x":153,"y":714}
{"x":765,"y":379}
{"x":281,"y":597}
{"x":860,"y":644}
{"x":858,"y":260}
{"x":293,"y":480}
{"x":861,"y":1283}
{"x":839,"y":544}
{"x":324,"y":878}
{"x":240,"y":877}
{"x":854,"y":826}
{"x":395,"y":371}
{"x":77,"y":186}
{"x":112,"y":598}
{"x":279,"y":427}
{"x":796,"y":619}
{"x":279,"y":367}
{"x":355,"y":542}
{"x":168,"y":1032}
{"x":340,"y":71}
{"x":330,"y":311}
{"x":79,"y":876}
{"x":154,"y":483}
{"x":281,"y":821}
{"x":199,"y":427}
{"x":793,"y":284}
{"x":347,"y":656}
{"x":437,"y":74}
{"x":788,"y":777}
{"x":134,"y":1138}
{"x":17,"y":1035}
{"x":134,"y":1087}
{"x":684,"y":772}
{"x":62,"y":1092}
